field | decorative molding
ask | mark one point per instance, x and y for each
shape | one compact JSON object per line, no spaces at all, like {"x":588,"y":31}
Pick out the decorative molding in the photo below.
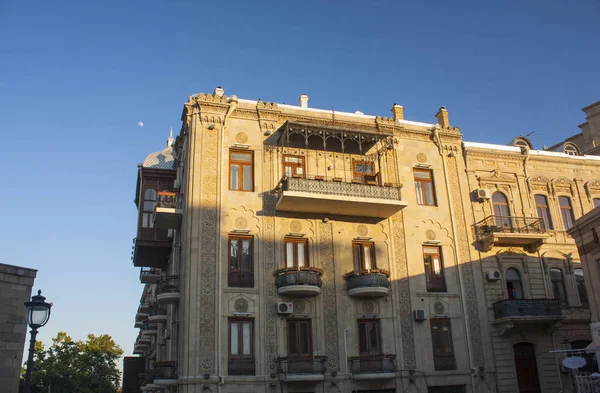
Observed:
{"x":296,"y":226}
{"x":329,"y":302}
{"x":362,"y":230}
{"x":422,"y":157}
{"x":241,"y":137}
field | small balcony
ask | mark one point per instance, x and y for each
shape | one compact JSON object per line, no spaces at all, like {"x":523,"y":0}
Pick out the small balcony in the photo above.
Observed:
{"x":368,"y":283}
{"x":307,"y":368}
{"x":152,"y":248}
{"x":149,"y":275}
{"x":302,"y":281}
{"x":167,"y":212}
{"x":168,"y":290}
{"x":157,"y":314}
{"x":526,"y":232}
{"x":515,"y":315}
{"x":373,"y":366}
{"x":139,"y":324}
{"x":444,"y":362}
{"x":165,"y":373}
{"x":242,"y":366}
{"x":149,"y":329}
{"x":143,"y":308}
{"x":325,"y":195}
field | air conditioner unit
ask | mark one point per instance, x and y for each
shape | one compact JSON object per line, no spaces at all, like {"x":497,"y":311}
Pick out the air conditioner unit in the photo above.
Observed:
{"x":285,"y":308}
{"x":493,"y":275}
{"x":483,"y":194}
{"x":419,"y":315}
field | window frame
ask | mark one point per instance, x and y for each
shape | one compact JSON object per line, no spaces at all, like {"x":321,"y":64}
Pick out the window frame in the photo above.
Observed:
{"x":564,"y":300}
{"x":361,"y":177}
{"x":442,"y":352}
{"x":566,"y":212}
{"x":239,"y":271}
{"x":544,"y":208}
{"x":361,"y":246}
{"x":294,"y":166}
{"x":509,"y":294}
{"x":434,"y":284}
{"x":369,"y":324}
{"x":241,"y":164}
{"x":580,"y":285}
{"x":240,"y":338}
{"x":595,"y":203}
{"x":297,"y":323}
{"x":295,"y":263}
{"x":147,"y":215}
{"x":421,"y":184}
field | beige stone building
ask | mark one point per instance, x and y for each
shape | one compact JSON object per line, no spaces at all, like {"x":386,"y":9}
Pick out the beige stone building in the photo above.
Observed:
{"x":307,"y":250}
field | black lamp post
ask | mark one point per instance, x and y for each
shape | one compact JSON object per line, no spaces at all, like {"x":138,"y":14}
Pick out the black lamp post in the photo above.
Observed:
{"x":38,"y":313}
{"x":281,"y":375}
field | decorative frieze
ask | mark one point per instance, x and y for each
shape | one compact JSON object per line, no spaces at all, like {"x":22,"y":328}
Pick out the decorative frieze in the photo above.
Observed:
{"x":329,"y":300}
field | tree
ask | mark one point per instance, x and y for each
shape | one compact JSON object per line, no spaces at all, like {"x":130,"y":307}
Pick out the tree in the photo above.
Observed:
{"x":76,"y":366}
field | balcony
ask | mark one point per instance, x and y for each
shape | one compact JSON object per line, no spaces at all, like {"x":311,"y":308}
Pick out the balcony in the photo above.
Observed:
{"x":152,"y":248}
{"x":528,"y":232}
{"x":444,"y":362}
{"x":167,"y":212}
{"x":138,"y":324}
{"x":368,"y":283}
{"x":320,"y":194}
{"x":520,"y":314}
{"x":307,"y":368}
{"x":302,"y":281}
{"x":165,"y":373}
{"x":149,"y":275}
{"x":373,"y":366}
{"x":157,"y":314}
{"x":150,"y":329}
{"x":143,"y":308}
{"x":168,"y":290}
{"x":241,"y":366}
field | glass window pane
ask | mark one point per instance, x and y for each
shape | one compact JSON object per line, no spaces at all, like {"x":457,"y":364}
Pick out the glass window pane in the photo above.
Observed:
{"x":149,"y":206}
{"x":437,"y":266}
{"x":233,"y":253}
{"x":234,"y":338}
{"x":288,"y":171}
{"x":418,"y":187}
{"x":304,"y":338}
{"x":356,"y":252}
{"x":299,"y":170}
{"x":301,"y":258}
{"x":564,"y":201}
{"x":247,"y":178}
{"x":373,"y":338}
{"x":429,"y":193}
{"x":422,"y":174}
{"x":241,"y":156}
{"x":367,"y":257}
{"x":292,"y":347}
{"x":235,"y":172}
{"x":150,"y":195}
{"x":596,"y":202}
{"x":289,"y":254}
{"x":246,"y":332}
{"x":246,"y":257}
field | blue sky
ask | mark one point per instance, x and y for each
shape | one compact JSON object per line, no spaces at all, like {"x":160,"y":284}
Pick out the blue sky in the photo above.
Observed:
{"x":77,"y":77}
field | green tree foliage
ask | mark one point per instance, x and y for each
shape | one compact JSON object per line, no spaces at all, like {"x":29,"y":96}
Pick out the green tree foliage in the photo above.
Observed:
{"x":76,"y":366}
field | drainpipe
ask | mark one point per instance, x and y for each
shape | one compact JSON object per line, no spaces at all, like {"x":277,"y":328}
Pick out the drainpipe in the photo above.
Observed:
{"x":438,"y":142}
{"x":346,"y":348}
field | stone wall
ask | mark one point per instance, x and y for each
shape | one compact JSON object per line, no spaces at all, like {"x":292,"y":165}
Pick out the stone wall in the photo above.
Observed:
{"x":15,"y":289}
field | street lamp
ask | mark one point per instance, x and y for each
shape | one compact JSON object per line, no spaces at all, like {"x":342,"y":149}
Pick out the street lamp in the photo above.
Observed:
{"x":281,"y":375}
{"x":37,"y":313}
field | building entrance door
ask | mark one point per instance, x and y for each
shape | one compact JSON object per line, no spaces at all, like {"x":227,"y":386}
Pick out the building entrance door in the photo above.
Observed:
{"x":526,"y":368}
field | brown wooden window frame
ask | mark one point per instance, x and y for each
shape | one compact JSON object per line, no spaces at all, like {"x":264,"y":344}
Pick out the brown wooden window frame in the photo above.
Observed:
{"x":443,"y":356}
{"x":148,"y":213}
{"x":369,"y":325}
{"x":240,"y":322}
{"x":241,"y":164}
{"x":361,"y":177}
{"x":421,"y":185}
{"x":544,"y":209}
{"x":294,"y":166}
{"x":566,"y":211}
{"x":361,"y":246}
{"x":295,"y":242}
{"x":240,"y":277}
{"x":595,"y":203}
{"x":297,"y":323}
{"x":434,"y":284}
{"x":557,"y":285}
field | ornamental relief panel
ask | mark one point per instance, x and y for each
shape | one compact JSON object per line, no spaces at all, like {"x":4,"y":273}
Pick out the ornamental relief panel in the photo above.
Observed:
{"x":592,"y":187}
{"x":241,"y":218}
{"x":329,"y":298}
{"x":563,"y":185}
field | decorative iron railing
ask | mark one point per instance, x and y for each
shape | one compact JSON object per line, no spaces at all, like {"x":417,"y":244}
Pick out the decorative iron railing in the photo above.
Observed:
{"x":167,"y":199}
{"x":143,"y":308}
{"x":303,"y":365}
{"x":241,"y":366}
{"x":338,"y":186}
{"x":165,"y":370}
{"x":169,"y":284}
{"x":150,"y":326}
{"x":241,"y":279}
{"x":155,"y":309}
{"x":149,"y":271}
{"x":372,"y":364}
{"x":436,"y":285}
{"x":149,"y":377}
{"x":298,"y":276}
{"x":444,"y":362}
{"x":527,"y":308}
{"x":508,"y":224}
{"x":448,"y":389}
{"x":367,"y":278}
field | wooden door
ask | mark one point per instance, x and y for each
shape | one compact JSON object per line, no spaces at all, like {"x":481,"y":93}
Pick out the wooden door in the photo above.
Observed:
{"x":526,"y":368}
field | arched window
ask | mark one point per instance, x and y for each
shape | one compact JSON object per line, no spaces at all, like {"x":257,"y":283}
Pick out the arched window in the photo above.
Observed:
{"x":514,"y":286}
{"x":521,"y":141}
{"x":571,"y":149}
{"x":558,"y":285}
{"x":148,"y":208}
{"x":541,"y":204}
{"x":583,"y":297}
{"x":566,"y":211}
{"x":501,"y":210}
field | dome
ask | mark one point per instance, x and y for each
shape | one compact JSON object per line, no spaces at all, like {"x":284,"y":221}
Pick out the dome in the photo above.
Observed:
{"x":163,"y":159}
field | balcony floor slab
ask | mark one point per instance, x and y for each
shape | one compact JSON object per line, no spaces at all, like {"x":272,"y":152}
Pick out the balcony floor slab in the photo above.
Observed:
{"x":299,"y":290}
{"x":369,"y":292}
{"x":367,"y":376}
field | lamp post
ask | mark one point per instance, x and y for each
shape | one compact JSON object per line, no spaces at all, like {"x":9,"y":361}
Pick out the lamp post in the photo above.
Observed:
{"x":37,"y":313}
{"x":281,"y":375}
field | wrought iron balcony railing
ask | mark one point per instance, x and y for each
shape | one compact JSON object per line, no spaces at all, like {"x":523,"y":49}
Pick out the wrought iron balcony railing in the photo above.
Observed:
{"x":338,"y":186}
{"x":527,"y":308}
{"x":150,"y":326}
{"x":244,"y":366}
{"x":367,"y":278}
{"x":148,"y":271}
{"x":169,"y":284}
{"x":168,"y":200}
{"x":444,"y":362}
{"x":298,"y":276}
{"x":148,"y":377}
{"x":303,"y":365}
{"x":509,"y":224}
{"x":165,"y":370}
{"x":155,"y":309}
{"x":367,"y":364}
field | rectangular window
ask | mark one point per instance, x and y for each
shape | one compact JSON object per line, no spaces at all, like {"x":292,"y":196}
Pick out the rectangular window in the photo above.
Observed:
{"x":369,"y":342}
{"x":424,"y":187}
{"x":558,"y":285}
{"x":566,"y":211}
{"x":362,"y":172}
{"x":364,"y":256}
{"x":241,"y":346}
{"x":293,"y":166}
{"x":595,"y":236}
{"x":543,"y":212}
{"x":596,"y":202}
{"x":296,"y":254}
{"x":580,"y":281}
{"x":240,"y":170}
{"x":299,"y":337}
{"x":241,"y":268}
{"x":434,"y":269}
{"x":441,"y":338}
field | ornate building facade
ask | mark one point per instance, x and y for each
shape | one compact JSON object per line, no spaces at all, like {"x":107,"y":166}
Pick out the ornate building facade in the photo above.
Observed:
{"x":304,"y":250}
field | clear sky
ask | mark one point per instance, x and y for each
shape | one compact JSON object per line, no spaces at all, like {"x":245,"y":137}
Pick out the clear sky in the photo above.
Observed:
{"x":76,"y":77}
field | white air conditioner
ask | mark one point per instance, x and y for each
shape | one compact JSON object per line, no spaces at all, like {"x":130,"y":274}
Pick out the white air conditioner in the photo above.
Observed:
{"x":419,"y":315}
{"x":483,"y":194}
{"x":285,"y":308}
{"x":493,"y":275}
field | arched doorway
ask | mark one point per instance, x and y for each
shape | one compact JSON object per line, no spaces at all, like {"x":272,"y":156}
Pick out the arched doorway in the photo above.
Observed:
{"x":526,"y":368}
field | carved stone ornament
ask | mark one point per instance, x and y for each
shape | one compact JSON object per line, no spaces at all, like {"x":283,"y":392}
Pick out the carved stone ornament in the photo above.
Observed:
{"x":299,"y":306}
{"x":296,"y":226}
{"x":241,"y":223}
{"x":329,"y":297}
{"x":362,"y":230}
{"x":422,"y":157}
{"x":241,"y":305}
{"x":368,"y":306}
{"x":430,"y":234}
{"x":439,"y":308}
{"x":241,"y":137}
